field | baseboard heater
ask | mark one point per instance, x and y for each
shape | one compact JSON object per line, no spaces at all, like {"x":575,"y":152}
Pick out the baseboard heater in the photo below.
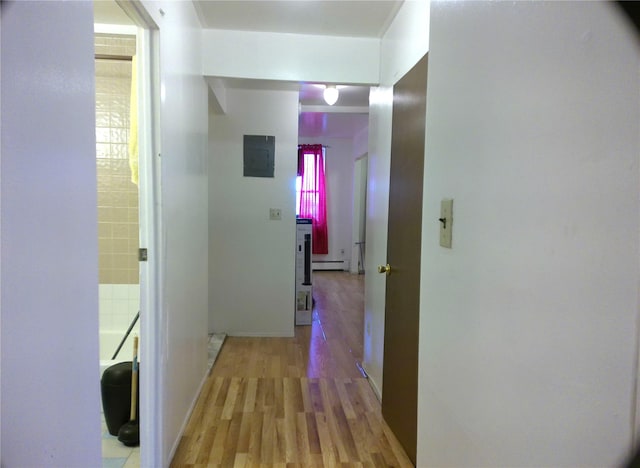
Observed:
{"x":338,"y":265}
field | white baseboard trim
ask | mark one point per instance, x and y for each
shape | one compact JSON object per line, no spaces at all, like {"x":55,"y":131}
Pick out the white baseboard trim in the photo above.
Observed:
{"x":174,"y":447}
{"x":374,"y":386}
{"x":261,"y":335}
{"x":330,"y":265}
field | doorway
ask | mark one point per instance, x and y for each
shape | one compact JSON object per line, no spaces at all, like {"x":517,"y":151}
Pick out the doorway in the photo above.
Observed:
{"x":126,"y":21}
{"x":343,"y":131}
{"x":118,"y":215}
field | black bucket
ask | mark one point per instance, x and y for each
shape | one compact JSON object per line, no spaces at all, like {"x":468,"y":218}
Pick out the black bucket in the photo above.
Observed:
{"x":116,"y":396}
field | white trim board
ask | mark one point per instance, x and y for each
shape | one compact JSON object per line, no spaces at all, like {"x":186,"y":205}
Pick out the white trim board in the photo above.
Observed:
{"x":340,"y":265}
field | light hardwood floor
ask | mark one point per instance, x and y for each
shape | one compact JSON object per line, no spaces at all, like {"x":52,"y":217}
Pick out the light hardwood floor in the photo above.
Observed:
{"x":294,"y":402}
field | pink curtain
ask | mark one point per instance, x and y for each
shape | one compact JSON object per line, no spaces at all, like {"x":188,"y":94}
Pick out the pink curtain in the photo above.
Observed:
{"x":313,"y":202}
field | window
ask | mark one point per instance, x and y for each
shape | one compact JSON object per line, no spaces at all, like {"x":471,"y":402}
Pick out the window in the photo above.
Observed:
{"x":311,"y":194}
{"x":309,"y":167}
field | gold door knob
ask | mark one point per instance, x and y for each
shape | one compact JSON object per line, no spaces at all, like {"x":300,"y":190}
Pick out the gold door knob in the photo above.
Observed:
{"x":384,"y":269}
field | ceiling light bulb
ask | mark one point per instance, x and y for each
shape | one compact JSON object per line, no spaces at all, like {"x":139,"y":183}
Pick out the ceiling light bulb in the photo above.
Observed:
{"x":331,"y":95}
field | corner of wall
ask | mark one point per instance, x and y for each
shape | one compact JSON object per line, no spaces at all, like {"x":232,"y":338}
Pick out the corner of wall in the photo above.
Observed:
{"x":246,"y":296}
{"x":405,"y":42}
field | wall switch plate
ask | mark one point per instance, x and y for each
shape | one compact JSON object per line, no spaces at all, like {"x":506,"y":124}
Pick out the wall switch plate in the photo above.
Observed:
{"x":275,"y":214}
{"x":446,"y":222}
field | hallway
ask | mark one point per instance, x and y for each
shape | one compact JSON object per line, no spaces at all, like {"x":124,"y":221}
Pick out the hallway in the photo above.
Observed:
{"x":299,"y":401}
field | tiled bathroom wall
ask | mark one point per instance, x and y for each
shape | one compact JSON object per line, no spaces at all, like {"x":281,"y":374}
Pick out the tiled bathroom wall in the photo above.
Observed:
{"x":117,"y":195}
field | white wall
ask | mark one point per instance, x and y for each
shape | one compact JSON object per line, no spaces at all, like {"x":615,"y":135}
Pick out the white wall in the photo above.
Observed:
{"x":252,"y":258}
{"x":528,"y":325}
{"x":361,"y":143}
{"x":405,"y":42}
{"x":49,"y":273}
{"x":277,"y":56}
{"x":182,"y":350}
{"x":360,"y":150}
{"x":380,"y":110}
{"x":339,"y":181}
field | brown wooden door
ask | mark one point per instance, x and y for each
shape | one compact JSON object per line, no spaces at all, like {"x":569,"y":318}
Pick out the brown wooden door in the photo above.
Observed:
{"x":400,"y":367}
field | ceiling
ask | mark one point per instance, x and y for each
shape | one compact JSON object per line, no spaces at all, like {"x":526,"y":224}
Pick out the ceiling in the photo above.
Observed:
{"x":322,"y":124}
{"x":108,"y":12}
{"x":359,"y":18}
{"x":311,"y":94}
{"x":350,"y":96}
{"x":343,"y":120}
{"x":351,"y":18}
{"x":344,"y":124}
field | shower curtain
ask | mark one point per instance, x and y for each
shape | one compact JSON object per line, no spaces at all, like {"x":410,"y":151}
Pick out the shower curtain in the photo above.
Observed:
{"x":133,"y":122}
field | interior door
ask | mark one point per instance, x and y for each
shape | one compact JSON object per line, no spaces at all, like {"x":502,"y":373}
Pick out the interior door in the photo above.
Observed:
{"x":400,"y":367}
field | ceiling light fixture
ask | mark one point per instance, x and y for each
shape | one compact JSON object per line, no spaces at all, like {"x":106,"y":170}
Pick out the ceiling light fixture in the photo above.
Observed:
{"x":331,"y":94}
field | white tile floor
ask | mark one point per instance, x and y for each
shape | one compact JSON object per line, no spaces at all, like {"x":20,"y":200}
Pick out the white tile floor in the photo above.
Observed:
{"x":117,"y":455}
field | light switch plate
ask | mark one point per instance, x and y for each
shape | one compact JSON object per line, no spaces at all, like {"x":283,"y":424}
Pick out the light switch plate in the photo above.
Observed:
{"x":446,"y":222}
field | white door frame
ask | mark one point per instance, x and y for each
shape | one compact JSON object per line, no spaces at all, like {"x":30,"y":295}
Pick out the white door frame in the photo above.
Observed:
{"x":151,"y":313}
{"x":152,"y":320}
{"x":358,"y":229}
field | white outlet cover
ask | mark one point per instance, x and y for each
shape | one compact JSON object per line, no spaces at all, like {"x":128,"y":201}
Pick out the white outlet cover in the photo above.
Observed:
{"x":275,"y":214}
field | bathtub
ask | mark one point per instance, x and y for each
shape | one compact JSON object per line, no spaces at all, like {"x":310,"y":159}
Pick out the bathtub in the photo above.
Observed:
{"x":109,"y":341}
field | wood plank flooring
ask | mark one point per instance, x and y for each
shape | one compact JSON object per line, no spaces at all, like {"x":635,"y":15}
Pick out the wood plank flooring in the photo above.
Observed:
{"x":294,"y":402}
